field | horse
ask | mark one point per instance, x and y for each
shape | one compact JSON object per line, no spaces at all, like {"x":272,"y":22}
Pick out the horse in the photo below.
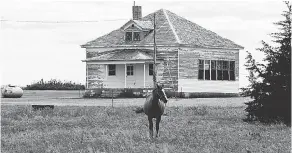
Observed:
{"x":154,"y":107}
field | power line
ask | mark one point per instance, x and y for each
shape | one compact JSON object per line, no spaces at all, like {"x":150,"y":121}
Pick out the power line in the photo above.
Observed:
{"x":57,"y":22}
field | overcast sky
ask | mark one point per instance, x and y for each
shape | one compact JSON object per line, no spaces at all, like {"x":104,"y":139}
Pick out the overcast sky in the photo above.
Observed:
{"x":31,"y":51}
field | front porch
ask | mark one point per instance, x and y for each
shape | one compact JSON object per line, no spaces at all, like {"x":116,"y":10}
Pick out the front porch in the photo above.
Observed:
{"x":121,"y":75}
{"x":121,"y":69}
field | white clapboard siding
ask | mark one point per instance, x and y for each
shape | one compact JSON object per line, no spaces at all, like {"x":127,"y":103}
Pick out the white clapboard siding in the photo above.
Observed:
{"x":115,"y":81}
{"x":135,"y":81}
{"x":113,"y":84}
{"x":194,"y":85}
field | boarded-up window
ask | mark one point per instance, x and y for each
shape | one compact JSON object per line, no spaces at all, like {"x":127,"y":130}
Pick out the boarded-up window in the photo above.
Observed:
{"x":150,"y":69}
{"x":111,"y":69}
{"x":213,"y":70}
{"x":232,"y":70}
{"x":128,"y":36}
{"x":136,"y":36}
{"x":207,"y":69}
{"x":201,"y":69}
{"x":130,"y":70}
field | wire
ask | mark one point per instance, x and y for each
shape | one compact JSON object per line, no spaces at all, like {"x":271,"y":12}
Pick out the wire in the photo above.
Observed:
{"x":54,"y":22}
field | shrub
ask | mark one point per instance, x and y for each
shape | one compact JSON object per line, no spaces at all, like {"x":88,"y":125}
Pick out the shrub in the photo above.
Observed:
{"x":130,"y":93}
{"x":95,"y":93}
{"x":54,"y":84}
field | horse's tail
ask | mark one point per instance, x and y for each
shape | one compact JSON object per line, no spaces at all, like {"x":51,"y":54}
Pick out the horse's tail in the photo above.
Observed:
{"x":139,"y":110}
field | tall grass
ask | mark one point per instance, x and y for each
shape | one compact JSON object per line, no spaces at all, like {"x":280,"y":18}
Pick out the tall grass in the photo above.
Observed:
{"x":106,"y":129}
{"x":54,"y":84}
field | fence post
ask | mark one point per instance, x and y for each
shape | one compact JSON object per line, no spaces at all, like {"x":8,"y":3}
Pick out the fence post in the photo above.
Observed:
{"x":112,"y":98}
{"x":175,"y":93}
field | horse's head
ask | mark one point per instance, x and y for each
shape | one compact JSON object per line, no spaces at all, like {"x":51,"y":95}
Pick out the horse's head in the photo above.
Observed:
{"x":161,"y":93}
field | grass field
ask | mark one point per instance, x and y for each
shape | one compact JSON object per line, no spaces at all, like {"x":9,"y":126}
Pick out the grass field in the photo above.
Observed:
{"x":106,"y":129}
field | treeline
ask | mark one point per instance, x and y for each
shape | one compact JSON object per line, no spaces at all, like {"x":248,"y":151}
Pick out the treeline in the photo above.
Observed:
{"x":54,"y":84}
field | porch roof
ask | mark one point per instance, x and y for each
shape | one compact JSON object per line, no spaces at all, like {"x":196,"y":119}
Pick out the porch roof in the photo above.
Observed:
{"x":122,"y":55}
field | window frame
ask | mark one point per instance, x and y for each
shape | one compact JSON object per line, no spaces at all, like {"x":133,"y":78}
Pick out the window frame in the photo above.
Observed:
{"x":139,"y":38}
{"x":224,"y":68}
{"x":213,"y":69}
{"x":232,"y":69}
{"x":225,"y":71}
{"x":150,"y":70}
{"x":131,"y":35}
{"x":207,"y":69}
{"x":201,"y":70}
{"x":114,"y":70}
{"x":130,"y":72}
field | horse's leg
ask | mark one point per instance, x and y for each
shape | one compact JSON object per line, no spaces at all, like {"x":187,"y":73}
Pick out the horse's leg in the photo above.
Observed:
{"x":150,"y":127}
{"x":157,"y":124}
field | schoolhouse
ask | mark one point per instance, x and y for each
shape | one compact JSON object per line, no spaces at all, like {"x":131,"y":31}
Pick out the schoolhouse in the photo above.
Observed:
{"x":190,"y":58}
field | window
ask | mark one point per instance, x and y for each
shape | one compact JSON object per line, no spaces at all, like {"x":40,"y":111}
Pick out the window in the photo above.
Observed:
{"x":216,"y":70}
{"x":150,"y":69}
{"x":136,"y":36}
{"x":128,"y":36}
{"x":225,"y":70}
{"x":132,"y":36}
{"x":130,"y":70}
{"x":219,"y":70}
{"x":111,"y":69}
{"x":207,"y":69}
{"x":213,"y":70}
{"x":201,"y":69}
{"x":232,"y":70}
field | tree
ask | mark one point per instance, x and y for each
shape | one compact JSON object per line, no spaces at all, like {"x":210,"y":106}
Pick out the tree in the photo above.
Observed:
{"x":270,"y":84}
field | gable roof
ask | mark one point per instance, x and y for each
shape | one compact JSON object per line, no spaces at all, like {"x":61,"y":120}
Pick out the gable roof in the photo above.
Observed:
{"x":143,"y":25}
{"x":171,"y":29}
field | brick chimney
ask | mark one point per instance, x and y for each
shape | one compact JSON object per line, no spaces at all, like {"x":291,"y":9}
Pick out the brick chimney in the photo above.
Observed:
{"x":137,"y":12}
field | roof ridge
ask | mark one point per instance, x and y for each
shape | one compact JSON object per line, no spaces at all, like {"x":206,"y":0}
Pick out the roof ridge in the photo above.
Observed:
{"x":171,"y":26}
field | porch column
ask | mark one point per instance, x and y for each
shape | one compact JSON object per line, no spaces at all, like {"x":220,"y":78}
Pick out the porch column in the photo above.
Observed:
{"x":125,"y":75}
{"x":106,"y":71}
{"x":144,"y":75}
{"x":210,"y":68}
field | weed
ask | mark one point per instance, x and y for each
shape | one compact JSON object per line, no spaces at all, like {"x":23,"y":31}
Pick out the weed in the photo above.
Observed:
{"x":106,"y":129}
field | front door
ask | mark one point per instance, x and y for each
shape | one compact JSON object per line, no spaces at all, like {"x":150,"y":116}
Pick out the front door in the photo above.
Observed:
{"x":131,"y":79}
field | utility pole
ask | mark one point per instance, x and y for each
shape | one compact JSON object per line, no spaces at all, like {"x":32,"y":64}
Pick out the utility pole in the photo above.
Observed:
{"x":154,"y":56}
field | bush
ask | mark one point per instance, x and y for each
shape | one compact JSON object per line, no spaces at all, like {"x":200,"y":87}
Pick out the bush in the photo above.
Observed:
{"x":54,"y":84}
{"x":130,"y":93}
{"x":96,"y":93}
